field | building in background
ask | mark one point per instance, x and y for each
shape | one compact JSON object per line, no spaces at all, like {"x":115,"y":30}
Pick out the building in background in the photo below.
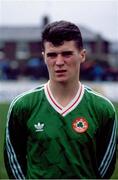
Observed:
{"x":20,"y":53}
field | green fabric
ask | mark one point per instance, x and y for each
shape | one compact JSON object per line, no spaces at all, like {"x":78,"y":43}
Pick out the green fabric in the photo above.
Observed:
{"x":54,"y":149}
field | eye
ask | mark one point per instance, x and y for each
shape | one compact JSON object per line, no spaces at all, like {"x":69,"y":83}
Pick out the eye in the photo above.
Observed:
{"x":67,"y":53}
{"x":52,"y":55}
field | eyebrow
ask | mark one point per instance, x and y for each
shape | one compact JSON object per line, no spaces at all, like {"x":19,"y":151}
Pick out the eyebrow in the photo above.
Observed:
{"x":63,"y":53}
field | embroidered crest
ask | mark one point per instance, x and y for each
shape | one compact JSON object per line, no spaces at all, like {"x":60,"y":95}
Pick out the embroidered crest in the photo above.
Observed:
{"x":80,"y":125}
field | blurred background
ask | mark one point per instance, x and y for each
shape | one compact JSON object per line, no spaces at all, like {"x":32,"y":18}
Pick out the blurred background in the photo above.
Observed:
{"x":21,"y":63}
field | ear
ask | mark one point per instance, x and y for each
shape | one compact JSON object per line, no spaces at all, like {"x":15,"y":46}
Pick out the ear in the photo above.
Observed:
{"x":83,"y":55}
{"x":43,"y":54}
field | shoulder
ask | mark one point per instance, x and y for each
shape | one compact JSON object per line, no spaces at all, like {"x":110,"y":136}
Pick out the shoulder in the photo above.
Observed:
{"x":100,"y":101}
{"x":27,"y":98}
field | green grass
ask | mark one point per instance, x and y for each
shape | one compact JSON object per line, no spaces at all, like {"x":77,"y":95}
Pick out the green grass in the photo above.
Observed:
{"x":3,"y":114}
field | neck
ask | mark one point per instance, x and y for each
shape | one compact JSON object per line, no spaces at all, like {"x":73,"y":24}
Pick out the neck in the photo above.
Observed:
{"x":64,"y":92}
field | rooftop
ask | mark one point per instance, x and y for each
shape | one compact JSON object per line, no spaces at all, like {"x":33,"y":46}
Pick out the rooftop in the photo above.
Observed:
{"x":30,"y":33}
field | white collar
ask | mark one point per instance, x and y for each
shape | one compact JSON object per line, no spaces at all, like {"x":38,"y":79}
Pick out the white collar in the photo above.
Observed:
{"x":72,"y":104}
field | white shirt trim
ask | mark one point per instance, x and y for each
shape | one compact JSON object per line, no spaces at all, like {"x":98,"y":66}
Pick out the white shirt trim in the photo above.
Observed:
{"x":72,"y":104}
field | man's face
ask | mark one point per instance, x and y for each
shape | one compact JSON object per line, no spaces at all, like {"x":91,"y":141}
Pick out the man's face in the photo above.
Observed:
{"x":63,"y":62}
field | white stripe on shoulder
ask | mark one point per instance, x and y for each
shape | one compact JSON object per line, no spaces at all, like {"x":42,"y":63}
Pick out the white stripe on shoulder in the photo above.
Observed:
{"x":14,"y":164}
{"x":91,"y":91}
{"x":20,"y":96}
{"x":105,"y":163}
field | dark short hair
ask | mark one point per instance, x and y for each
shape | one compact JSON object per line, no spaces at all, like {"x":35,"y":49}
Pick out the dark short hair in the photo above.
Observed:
{"x":59,"y":31}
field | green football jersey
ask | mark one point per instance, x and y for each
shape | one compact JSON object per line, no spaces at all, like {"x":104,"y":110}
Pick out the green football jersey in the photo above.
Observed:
{"x":46,"y":140}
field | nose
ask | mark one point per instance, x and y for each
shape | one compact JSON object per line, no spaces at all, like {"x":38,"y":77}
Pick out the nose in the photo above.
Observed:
{"x":59,"y":60}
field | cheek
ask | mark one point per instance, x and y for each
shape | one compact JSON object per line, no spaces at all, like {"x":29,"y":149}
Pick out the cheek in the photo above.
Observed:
{"x":47,"y":62}
{"x":75,"y":63}
{"x":49,"y":65}
{"x":74,"y":67}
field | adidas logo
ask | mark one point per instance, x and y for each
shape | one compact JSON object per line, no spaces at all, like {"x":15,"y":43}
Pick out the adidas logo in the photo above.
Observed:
{"x":39,"y":127}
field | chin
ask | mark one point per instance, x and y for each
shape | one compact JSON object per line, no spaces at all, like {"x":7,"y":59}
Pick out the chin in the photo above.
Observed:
{"x":61,"y":80}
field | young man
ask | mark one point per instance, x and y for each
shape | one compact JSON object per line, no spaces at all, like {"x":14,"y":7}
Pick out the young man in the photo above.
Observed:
{"x":61,"y":129}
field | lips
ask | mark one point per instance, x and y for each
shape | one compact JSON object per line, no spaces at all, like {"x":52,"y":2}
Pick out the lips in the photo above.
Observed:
{"x":60,"y":71}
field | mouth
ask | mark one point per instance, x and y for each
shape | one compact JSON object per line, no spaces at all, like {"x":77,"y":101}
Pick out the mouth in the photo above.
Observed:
{"x":60,"y":71}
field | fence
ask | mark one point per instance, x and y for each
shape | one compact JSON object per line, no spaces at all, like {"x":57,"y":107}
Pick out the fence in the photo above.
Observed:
{"x":9,"y":90}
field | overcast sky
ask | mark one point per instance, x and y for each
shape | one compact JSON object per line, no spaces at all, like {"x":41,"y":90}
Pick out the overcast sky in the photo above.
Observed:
{"x":100,"y":16}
